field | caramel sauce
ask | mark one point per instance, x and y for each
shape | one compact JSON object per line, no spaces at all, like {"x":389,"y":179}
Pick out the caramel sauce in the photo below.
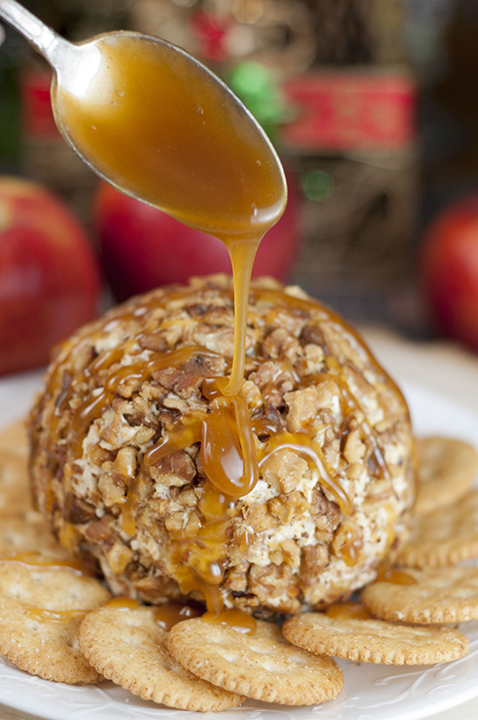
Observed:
{"x":164,"y":129}
{"x":351,"y":550}
{"x":40,"y":561}
{"x":236,"y":619}
{"x":170,"y":614}
{"x":56,"y":616}
{"x":386,"y":573}
{"x":123,"y":603}
{"x":348,"y":610}
{"x":199,"y":553}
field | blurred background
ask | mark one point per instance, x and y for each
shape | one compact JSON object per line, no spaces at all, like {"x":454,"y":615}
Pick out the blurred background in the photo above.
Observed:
{"x":372,"y":106}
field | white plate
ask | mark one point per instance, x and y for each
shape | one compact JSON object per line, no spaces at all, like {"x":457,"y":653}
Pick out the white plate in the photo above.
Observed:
{"x":372,"y":692}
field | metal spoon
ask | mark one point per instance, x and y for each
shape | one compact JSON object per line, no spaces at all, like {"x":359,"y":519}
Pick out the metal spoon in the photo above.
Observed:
{"x":184,"y":143}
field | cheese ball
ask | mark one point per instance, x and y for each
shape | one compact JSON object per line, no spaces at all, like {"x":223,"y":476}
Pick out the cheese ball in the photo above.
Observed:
{"x":126,"y":454}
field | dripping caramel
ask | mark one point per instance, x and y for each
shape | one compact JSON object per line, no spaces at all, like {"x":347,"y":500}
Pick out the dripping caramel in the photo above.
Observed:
{"x":348,"y":610}
{"x":351,"y":550}
{"x":387,"y":573}
{"x":123,"y":603}
{"x":43,"y":563}
{"x":205,"y":548}
{"x":56,"y":616}
{"x":166,"y":616}
{"x":170,"y":614}
{"x":234,"y":618}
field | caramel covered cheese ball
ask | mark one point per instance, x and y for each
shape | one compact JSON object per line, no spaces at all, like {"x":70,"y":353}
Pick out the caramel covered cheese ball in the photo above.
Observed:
{"x":290,"y":494}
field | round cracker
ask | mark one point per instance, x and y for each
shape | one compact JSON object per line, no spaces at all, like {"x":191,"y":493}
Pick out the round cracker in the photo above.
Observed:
{"x":41,"y":609}
{"x":127,"y":646}
{"x":375,"y":641}
{"x":29,"y":533}
{"x":448,"y":594}
{"x":14,"y":486}
{"x":444,"y":536}
{"x":263,"y":666}
{"x":14,"y":439}
{"x":447,"y":468}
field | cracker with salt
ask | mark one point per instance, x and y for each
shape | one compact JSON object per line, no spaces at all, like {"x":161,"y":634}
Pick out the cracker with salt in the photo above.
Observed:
{"x":14,"y":439}
{"x":439,"y":595}
{"x":127,"y":646}
{"x":263,"y":666}
{"x":447,"y":468}
{"x":14,"y":486}
{"x":444,"y":536}
{"x":28,"y":533}
{"x":41,"y":608}
{"x":375,"y":641}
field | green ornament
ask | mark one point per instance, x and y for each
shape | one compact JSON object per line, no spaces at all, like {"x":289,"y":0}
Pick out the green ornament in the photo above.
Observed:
{"x":258,"y":88}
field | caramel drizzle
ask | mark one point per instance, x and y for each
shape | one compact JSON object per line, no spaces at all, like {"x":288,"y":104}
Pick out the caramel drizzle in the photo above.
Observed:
{"x":348,"y":610}
{"x":43,"y":563}
{"x":170,"y":614}
{"x":242,"y":255}
{"x":387,"y":573}
{"x":56,"y":616}
{"x":198,"y":559}
{"x":235,"y":619}
{"x":122,"y":603}
{"x":351,"y":550}
{"x":227,"y":443}
{"x":166,"y":616}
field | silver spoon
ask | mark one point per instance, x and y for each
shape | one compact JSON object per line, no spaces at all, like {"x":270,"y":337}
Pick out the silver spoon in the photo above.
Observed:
{"x":178,"y":139}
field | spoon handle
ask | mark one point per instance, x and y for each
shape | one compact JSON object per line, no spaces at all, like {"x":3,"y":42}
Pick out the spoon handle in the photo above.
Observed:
{"x":43,"y":38}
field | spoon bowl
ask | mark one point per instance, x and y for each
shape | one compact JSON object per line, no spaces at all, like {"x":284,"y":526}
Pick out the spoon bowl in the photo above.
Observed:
{"x":160,"y":126}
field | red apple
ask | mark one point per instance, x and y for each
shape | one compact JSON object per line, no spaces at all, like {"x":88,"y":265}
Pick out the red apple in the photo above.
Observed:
{"x":449,"y":270}
{"x":143,"y":247}
{"x":49,"y":279}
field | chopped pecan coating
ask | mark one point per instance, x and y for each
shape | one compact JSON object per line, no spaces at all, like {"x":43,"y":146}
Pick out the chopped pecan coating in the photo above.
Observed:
{"x":314,"y":559}
{"x":302,"y":405}
{"x":310,"y":387}
{"x":285,"y":469}
{"x":175,"y":469}
{"x":288,"y":506}
{"x":281,"y":345}
{"x":78,"y":511}
{"x":259,"y":518}
{"x":269,"y":581}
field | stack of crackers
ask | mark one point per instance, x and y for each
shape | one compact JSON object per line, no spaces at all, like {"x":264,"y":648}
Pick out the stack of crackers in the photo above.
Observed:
{"x":60,"y":623}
